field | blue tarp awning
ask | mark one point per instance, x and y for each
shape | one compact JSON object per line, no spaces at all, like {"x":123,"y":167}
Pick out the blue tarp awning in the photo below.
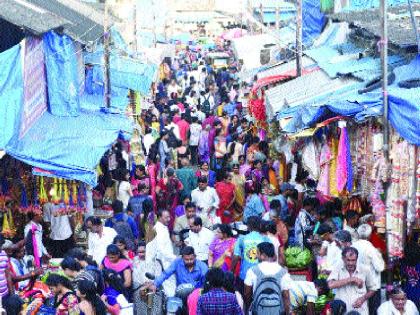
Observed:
{"x":67,"y":147}
{"x":404,"y":106}
{"x":125,"y":72}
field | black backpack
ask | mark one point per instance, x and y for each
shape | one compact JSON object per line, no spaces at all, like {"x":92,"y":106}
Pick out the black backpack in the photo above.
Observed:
{"x":173,"y":141}
{"x":153,"y":150}
{"x":206,"y":105}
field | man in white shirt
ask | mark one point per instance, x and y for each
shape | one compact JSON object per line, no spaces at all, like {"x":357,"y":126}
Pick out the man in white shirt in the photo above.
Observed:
{"x":353,"y":283}
{"x":61,"y":229}
{"x":199,"y":238}
{"x":195,"y":130}
{"x":206,"y":199}
{"x":196,"y":112}
{"x":164,"y":248}
{"x":36,"y":226}
{"x":332,"y":245}
{"x":352,"y":218}
{"x":370,"y":257}
{"x":175,"y":129}
{"x":173,"y":88}
{"x":148,"y":140}
{"x":99,"y":239}
{"x":268,"y":266}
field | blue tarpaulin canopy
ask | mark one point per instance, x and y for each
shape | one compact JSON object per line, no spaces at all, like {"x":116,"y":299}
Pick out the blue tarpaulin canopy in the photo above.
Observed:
{"x":125,"y":72}
{"x":11,"y":93}
{"x":67,"y":147}
{"x":404,"y":106}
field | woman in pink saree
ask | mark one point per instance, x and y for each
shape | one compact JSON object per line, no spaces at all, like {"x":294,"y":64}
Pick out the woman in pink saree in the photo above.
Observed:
{"x":153,"y":171}
{"x":221,"y":249}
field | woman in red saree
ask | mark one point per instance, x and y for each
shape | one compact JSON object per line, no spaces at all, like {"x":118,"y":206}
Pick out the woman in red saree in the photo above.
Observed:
{"x":169,"y":188}
{"x":226,"y":192}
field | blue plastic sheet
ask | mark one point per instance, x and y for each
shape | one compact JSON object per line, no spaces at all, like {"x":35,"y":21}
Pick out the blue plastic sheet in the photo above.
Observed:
{"x":70,"y":147}
{"x":404,"y":106}
{"x":364,"y":69}
{"x":313,"y":21}
{"x":125,"y":72}
{"x":67,"y":147}
{"x":11,"y":93}
{"x":62,"y":76}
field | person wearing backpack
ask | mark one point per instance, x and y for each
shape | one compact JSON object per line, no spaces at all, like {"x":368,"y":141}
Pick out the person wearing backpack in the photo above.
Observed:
{"x":123,"y":224}
{"x":267,"y":284}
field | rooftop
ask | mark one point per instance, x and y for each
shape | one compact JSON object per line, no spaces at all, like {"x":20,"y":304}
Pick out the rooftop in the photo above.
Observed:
{"x":76,"y":19}
{"x":400,"y":28}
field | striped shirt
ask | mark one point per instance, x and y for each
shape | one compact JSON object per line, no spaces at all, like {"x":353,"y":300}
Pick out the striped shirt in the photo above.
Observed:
{"x":301,"y":293}
{"x":4,"y":262}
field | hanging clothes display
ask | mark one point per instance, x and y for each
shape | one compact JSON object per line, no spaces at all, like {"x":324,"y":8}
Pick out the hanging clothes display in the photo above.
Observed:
{"x":333,"y":170}
{"x":344,"y":170}
{"x":310,"y":159}
{"x":395,"y":198}
{"x":324,"y":179}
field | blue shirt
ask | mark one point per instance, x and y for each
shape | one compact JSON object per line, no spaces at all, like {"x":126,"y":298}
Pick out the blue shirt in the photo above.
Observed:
{"x":230,"y":108}
{"x":284,"y":212}
{"x":246,"y":248}
{"x":135,"y":204}
{"x":130,"y":221}
{"x":183,"y":275}
{"x":253,"y":207}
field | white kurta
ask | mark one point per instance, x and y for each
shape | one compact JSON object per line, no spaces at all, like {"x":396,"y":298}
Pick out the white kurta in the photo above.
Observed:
{"x":165,"y":253}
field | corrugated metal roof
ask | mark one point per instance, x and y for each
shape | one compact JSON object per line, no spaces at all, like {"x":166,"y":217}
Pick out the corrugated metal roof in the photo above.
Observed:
{"x":77,"y":19}
{"x":30,"y":17}
{"x":400,"y":28}
{"x":284,"y":67}
{"x":300,"y":90}
{"x":86,"y":22}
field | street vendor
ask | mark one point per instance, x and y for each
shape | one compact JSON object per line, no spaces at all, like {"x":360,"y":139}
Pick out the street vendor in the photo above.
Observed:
{"x":21,"y":276}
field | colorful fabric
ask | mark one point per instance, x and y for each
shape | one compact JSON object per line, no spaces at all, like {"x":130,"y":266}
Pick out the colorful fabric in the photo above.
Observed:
{"x":119,"y":266}
{"x":221,"y":249}
{"x":192,"y":301}
{"x":333,"y":182}
{"x":68,"y":306}
{"x":239,"y":181}
{"x":226,"y":193}
{"x":324,"y":177}
{"x":341,"y":171}
{"x":4,"y":262}
{"x":301,"y":293}
{"x":218,"y":302}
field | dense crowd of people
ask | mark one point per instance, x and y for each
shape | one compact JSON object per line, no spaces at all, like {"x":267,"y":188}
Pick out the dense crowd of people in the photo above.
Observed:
{"x":206,"y":209}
